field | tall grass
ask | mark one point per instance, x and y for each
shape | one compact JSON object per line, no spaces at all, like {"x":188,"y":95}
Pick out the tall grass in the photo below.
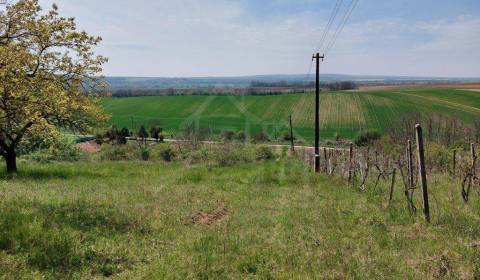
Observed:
{"x":270,"y":219}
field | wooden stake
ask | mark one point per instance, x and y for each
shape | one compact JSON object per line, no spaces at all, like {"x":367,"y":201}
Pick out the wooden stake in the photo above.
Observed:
{"x":422,"y":171}
{"x":474,"y":160}
{"x":350,"y":163}
{"x":469,"y":178}
{"x":292,"y":145}
{"x":392,"y":185}
{"x":325,"y":156}
{"x":454,"y":167}
{"x":410,"y":166}
{"x":474,"y":157}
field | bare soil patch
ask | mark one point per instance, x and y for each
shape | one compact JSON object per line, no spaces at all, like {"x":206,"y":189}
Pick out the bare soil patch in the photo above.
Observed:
{"x":212,"y":217}
{"x":89,"y":147}
{"x":471,"y":89}
{"x":472,"y":86}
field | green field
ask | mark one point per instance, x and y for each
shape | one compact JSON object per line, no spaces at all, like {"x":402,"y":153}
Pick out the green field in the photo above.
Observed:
{"x":345,"y":113}
{"x":261,"y":220}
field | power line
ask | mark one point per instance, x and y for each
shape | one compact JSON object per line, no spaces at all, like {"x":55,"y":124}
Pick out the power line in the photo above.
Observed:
{"x":341,"y":25}
{"x":333,"y":16}
{"x":307,"y":78}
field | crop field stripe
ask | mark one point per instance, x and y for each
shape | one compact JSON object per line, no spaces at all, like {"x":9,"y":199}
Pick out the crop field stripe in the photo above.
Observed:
{"x":342,"y":112}
{"x":453,"y":105}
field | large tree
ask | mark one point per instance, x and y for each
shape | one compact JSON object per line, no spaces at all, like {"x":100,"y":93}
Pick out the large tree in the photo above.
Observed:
{"x":49,"y":76}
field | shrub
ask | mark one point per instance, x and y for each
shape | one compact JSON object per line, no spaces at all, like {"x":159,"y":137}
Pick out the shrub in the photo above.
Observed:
{"x":264,"y":153}
{"x":167,"y":154}
{"x":142,"y":132}
{"x":115,"y":135}
{"x":228,"y":155}
{"x":99,"y":138}
{"x":228,"y":135}
{"x":337,"y":137}
{"x":367,"y":138}
{"x":63,"y":149}
{"x":115,"y":153}
{"x":437,"y":155}
{"x":155,"y":132}
{"x":145,"y":154}
{"x":286,"y":137}
{"x":241,"y":136}
{"x":200,"y":155}
{"x":261,"y":137}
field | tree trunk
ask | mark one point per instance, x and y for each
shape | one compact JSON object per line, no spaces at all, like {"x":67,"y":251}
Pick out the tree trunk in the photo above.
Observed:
{"x":11,"y":161}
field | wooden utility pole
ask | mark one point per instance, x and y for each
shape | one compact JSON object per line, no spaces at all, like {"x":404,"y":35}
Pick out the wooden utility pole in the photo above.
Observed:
{"x":317,"y":58}
{"x":291,"y":135}
{"x":422,"y":171}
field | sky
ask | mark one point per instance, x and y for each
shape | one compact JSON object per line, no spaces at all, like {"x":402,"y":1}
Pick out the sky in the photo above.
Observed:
{"x":185,"y":38}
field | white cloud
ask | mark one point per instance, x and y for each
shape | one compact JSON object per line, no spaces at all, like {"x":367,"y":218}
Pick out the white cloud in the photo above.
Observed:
{"x":434,"y":48}
{"x":219,"y":37}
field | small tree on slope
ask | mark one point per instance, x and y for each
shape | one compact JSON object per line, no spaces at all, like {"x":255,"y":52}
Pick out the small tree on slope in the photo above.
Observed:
{"x":48,"y":76}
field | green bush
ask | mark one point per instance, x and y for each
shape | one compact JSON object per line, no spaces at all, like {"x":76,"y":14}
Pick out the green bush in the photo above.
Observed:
{"x":287,"y":137}
{"x":367,"y":138}
{"x":264,"y":153}
{"x":156,"y":131}
{"x":116,"y":152}
{"x":437,"y":155}
{"x":241,"y":136}
{"x":116,"y":136}
{"x":228,"y":135}
{"x":200,"y":155}
{"x":145,"y":154}
{"x":167,"y":154}
{"x":63,"y":149}
{"x":228,"y":155}
{"x":261,"y":137}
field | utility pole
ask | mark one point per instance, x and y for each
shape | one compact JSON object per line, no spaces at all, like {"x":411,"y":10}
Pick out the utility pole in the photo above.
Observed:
{"x":317,"y":58}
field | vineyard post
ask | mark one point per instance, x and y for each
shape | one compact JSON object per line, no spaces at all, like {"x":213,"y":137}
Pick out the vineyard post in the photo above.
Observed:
{"x":454,"y":163}
{"x":422,"y":171}
{"x":474,"y":159}
{"x":393,"y":184}
{"x":350,"y":163}
{"x":410,"y":165}
{"x":291,"y":135}
{"x":325,"y":156}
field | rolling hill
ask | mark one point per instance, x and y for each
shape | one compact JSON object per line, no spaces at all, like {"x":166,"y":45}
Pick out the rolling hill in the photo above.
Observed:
{"x":345,"y":113}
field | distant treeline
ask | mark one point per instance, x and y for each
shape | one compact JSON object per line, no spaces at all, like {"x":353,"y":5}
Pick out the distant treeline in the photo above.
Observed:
{"x":206,"y":91}
{"x":332,"y":86}
{"x":256,"y":88}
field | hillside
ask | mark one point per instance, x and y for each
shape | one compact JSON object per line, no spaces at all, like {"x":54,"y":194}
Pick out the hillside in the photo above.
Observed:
{"x":263,"y":220}
{"x":345,"y":113}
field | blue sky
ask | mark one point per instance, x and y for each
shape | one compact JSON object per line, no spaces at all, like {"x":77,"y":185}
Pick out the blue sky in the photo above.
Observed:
{"x":245,"y":37}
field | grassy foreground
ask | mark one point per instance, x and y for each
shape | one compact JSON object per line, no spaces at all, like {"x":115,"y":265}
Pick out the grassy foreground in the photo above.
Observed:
{"x":266,"y":220}
{"x":344,"y":113}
